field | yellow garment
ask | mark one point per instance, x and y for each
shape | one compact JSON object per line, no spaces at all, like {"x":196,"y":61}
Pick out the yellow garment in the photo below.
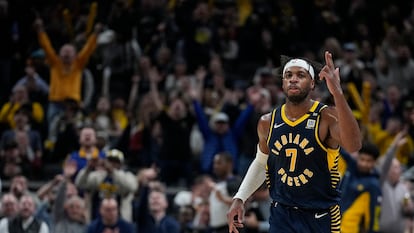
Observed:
{"x":120,"y":116}
{"x":358,"y":214}
{"x":342,"y":166}
{"x":245,"y":10}
{"x":9,"y":109}
{"x":382,"y":139}
{"x":66,"y":83}
{"x":93,"y":155}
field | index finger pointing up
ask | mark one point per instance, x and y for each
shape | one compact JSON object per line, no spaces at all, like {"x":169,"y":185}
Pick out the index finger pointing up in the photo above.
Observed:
{"x":328,"y":60}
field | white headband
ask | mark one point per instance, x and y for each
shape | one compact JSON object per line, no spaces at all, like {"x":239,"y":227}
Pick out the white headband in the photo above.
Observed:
{"x":300,"y":63}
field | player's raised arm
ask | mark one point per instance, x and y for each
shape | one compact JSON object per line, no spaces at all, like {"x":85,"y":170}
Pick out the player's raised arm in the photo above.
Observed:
{"x":344,"y":126}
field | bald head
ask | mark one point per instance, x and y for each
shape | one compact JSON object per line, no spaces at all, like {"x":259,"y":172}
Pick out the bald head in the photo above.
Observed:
{"x":67,"y":53}
{"x":109,"y":211}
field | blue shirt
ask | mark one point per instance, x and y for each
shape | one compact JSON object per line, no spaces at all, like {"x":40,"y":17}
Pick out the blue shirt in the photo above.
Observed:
{"x":215,"y":143}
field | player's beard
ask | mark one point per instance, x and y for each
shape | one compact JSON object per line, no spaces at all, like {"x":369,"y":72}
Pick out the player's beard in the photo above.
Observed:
{"x":300,"y":97}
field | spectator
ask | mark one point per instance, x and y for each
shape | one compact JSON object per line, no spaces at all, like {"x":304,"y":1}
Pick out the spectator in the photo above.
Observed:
{"x":36,"y":86}
{"x":392,"y":103}
{"x":102,"y":118}
{"x":199,"y":37}
{"x":175,"y":124}
{"x":110,"y":181}
{"x":152,"y":213}
{"x":186,"y":218}
{"x":63,"y":135}
{"x":109,"y":220}
{"x":383,"y":138}
{"x":178,"y":79}
{"x":361,"y":191}
{"x":350,"y":65}
{"x":120,"y":55}
{"x":200,"y":191}
{"x":69,"y":212}
{"x":219,"y":135}
{"x":19,"y":100}
{"x":28,"y":140}
{"x":136,"y":140}
{"x":87,"y":151}
{"x":19,"y":188}
{"x":396,"y":199}
{"x":225,"y":187}
{"x":119,"y":114}
{"x":25,"y":221}
{"x":401,"y":67}
{"x":53,"y":196}
{"x":9,"y":206}
{"x":247,"y":144}
{"x":257,"y":211}
{"x":12,"y":163}
{"x":201,"y":222}
{"x":66,"y":69}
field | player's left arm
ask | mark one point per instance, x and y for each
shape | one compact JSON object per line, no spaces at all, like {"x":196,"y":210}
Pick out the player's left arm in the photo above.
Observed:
{"x":343,"y":127}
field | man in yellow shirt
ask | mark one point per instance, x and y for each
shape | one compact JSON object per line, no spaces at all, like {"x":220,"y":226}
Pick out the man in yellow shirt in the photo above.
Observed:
{"x":66,"y":68}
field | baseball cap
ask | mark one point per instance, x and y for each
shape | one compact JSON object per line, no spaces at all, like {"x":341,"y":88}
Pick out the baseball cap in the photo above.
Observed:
{"x":115,"y":154}
{"x":350,"y":46}
{"x":220,"y":117}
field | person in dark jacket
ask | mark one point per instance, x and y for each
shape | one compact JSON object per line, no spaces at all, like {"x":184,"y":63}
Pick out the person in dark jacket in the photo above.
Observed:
{"x":151,"y":212}
{"x":109,"y":220}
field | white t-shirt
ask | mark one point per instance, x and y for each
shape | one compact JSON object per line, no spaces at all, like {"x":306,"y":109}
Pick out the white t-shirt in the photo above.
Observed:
{"x":218,"y":209}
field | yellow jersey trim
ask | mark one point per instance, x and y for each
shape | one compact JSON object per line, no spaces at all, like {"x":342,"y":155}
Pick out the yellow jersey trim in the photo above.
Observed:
{"x":302,"y":118}
{"x":335,"y":214}
{"x":271,"y":126}
{"x":332,"y":154}
{"x":318,"y":140}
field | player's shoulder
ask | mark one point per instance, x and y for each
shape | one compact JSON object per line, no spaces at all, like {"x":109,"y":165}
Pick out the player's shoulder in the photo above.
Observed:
{"x":264,"y":121}
{"x":267,"y":117}
{"x":329,"y":113}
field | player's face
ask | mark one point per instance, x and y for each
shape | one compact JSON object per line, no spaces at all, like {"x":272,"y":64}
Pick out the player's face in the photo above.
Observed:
{"x":297,"y":84}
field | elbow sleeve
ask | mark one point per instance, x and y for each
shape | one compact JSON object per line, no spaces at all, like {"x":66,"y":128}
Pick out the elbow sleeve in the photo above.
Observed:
{"x":255,"y":176}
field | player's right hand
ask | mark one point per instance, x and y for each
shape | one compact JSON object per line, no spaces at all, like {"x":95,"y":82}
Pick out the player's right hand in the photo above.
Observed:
{"x":235,"y":216}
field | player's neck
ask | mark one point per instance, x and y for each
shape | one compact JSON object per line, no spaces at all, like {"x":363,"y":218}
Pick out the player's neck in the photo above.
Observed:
{"x":294,"y":111}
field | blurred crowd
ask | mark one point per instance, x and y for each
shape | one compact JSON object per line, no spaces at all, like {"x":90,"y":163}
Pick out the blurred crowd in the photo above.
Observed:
{"x":111,"y":105}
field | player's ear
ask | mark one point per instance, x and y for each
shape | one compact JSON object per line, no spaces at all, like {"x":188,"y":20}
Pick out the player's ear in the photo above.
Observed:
{"x":313,"y":82}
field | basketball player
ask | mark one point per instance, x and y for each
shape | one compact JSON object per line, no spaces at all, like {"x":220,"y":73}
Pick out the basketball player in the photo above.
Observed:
{"x":298,"y":153}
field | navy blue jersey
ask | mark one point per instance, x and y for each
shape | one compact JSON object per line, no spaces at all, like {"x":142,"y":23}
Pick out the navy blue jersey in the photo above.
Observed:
{"x":301,"y":171}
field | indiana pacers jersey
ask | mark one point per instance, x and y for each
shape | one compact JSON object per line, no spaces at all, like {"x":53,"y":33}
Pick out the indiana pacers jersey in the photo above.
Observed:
{"x":301,"y":171}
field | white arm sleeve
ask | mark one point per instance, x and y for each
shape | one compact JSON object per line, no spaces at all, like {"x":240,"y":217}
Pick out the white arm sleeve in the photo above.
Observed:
{"x":255,"y":176}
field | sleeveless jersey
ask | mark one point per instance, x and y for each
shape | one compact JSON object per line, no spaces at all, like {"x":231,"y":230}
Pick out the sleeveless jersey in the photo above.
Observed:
{"x":301,"y":171}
